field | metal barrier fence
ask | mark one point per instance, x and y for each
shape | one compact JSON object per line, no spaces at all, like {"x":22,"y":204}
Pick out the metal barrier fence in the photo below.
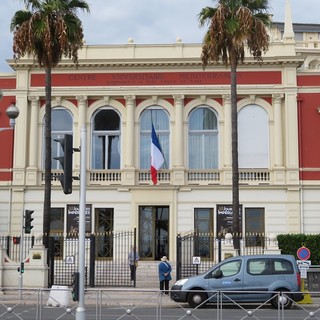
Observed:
{"x":138,"y":304}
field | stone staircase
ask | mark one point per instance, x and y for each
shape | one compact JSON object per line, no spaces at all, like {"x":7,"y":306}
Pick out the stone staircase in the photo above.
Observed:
{"x":147,"y":275}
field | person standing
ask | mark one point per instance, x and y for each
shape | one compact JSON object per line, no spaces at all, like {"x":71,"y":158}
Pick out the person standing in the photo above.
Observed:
{"x":133,"y":258}
{"x":164,"y":269}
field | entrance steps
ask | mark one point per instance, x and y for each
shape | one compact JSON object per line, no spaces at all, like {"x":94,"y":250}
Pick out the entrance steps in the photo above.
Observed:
{"x":147,"y":275}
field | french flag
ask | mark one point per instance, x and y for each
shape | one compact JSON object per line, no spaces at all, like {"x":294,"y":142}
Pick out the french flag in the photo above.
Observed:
{"x":157,"y":158}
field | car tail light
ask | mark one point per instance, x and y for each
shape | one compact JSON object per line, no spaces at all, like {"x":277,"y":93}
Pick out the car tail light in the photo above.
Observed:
{"x":299,"y":279}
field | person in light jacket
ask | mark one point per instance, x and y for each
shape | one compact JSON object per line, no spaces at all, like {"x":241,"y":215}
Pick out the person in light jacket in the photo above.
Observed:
{"x":164,"y":269}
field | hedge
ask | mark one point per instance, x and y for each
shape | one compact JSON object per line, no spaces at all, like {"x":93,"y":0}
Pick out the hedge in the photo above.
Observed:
{"x":290,"y":243}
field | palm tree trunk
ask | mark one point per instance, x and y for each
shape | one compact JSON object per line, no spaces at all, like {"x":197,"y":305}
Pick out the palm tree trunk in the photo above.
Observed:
{"x":47,"y":164}
{"x":235,"y":162}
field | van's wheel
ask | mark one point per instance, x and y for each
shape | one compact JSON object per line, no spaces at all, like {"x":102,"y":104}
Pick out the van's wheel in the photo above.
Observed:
{"x":197,"y":299}
{"x":285,"y":300}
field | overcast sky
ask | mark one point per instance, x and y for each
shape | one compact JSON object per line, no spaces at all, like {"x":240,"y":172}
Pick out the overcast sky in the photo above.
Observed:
{"x":146,"y":21}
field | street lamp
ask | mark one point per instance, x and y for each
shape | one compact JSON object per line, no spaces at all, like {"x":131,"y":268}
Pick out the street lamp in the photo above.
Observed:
{"x":12,"y":113}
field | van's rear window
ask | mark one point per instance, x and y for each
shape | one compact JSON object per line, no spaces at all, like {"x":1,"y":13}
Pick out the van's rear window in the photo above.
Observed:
{"x":265,"y":266}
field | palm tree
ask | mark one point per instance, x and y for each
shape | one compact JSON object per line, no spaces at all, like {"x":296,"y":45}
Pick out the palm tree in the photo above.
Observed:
{"x":49,"y":30}
{"x":233,"y":26}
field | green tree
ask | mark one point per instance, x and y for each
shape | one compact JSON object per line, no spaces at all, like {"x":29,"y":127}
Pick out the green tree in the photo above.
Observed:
{"x":49,"y":30}
{"x":233,"y":26}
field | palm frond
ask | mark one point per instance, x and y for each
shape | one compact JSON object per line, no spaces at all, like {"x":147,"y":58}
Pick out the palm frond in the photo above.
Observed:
{"x":233,"y":25}
{"x":50,"y":30}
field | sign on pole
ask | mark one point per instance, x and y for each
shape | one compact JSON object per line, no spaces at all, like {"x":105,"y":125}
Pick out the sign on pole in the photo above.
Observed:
{"x":303,"y":253}
{"x":303,"y":264}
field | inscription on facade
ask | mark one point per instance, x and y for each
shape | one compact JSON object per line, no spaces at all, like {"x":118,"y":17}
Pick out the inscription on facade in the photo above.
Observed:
{"x":156,"y":78}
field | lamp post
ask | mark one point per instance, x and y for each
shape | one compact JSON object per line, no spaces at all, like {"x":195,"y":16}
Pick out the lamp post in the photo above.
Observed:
{"x":12,"y":113}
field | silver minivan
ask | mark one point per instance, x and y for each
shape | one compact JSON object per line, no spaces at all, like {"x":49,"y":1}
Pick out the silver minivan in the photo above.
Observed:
{"x":243,"y":279}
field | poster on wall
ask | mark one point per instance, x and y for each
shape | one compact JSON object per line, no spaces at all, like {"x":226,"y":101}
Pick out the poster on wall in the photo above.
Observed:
{"x":225,"y":219}
{"x":73,"y":218}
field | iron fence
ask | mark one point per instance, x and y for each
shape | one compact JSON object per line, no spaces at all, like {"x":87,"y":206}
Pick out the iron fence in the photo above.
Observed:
{"x":207,"y":247}
{"x":106,"y":259}
{"x":13,"y":246}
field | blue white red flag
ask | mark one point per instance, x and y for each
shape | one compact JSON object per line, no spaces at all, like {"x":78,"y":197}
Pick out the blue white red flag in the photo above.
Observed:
{"x":157,"y":158}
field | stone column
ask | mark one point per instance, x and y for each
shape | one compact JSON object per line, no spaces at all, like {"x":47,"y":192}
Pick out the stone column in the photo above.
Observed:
{"x":33,"y":143}
{"x":278,"y":133}
{"x":82,"y":107}
{"x":227,"y":143}
{"x":292,"y":138}
{"x":178,"y":163}
{"x":21,"y":142}
{"x":178,"y":159}
{"x":130,"y":140}
{"x":33,"y":146}
{"x":128,"y":146}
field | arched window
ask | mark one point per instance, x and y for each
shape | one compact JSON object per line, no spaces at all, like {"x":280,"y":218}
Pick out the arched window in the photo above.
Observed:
{"x":253,"y":137}
{"x":61,"y":124}
{"x":203,"y":139}
{"x":106,"y":140}
{"x":160,"y":120}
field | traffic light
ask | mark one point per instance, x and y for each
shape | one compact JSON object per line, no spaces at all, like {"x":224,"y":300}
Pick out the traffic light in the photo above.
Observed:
{"x":21,"y":268}
{"x":75,"y":286}
{"x":66,"y":162}
{"x":27,"y":221}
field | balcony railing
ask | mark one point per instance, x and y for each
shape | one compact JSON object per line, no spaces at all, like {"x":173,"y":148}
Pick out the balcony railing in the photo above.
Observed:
{"x":254,"y":175}
{"x":200,"y":176}
{"x":105,"y":177}
{"x":165,"y":177}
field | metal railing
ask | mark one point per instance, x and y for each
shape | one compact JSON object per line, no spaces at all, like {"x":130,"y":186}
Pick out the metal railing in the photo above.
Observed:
{"x":192,"y":177}
{"x":138,"y":304}
{"x":12,"y":246}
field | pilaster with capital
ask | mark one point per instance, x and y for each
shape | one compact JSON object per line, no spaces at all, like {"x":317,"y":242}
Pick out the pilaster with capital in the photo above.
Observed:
{"x":227,"y":144}
{"x":130,"y":145}
{"x":33,"y":148}
{"x":178,"y":157}
{"x":278,"y":134}
{"x":33,"y":165}
{"x":82,"y":107}
{"x":292,"y":138}
{"x":179,"y":148}
{"x":128,"y":177}
{"x":21,"y":142}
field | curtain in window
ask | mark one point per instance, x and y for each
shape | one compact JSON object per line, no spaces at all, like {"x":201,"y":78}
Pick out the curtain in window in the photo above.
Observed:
{"x":203,"y":139}
{"x":160,"y":120}
{"x":106,"y":140}
{"x":253,"y":137}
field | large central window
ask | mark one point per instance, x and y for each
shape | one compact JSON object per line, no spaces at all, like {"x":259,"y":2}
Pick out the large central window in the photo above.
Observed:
{"x":203,"y":139}
{"x":106,"y":140}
